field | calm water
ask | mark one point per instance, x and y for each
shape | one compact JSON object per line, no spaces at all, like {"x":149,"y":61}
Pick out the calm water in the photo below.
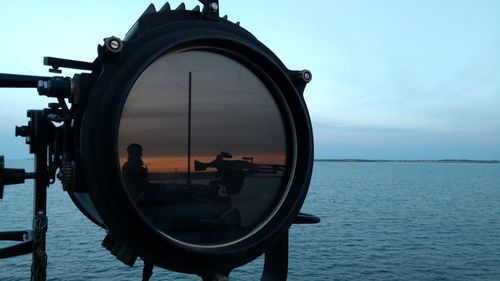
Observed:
{"x":380,"y":221}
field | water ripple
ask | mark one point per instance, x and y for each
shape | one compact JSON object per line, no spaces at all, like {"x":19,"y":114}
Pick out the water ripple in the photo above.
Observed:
{"x":385,"y":221}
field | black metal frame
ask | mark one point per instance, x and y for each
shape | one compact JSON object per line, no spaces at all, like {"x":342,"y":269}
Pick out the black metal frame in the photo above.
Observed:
{"x":86,"y":153}
{"x":100,"y":131}
{"x":39,"y":131}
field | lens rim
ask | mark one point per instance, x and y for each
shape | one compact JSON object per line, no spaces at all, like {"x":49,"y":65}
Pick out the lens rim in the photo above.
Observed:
{"x":289,"y":144}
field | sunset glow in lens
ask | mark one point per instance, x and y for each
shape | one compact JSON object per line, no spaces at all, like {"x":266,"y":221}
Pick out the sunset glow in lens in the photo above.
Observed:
{"x":202,"y":149}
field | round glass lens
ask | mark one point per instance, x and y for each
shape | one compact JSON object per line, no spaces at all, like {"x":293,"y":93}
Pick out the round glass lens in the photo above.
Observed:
{"x":202,"y":148}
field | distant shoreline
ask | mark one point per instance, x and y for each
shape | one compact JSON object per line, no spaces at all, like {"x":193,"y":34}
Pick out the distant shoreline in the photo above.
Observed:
{"x":457,"y":161}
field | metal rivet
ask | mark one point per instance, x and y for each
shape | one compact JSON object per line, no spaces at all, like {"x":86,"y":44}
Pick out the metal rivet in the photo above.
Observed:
{"x":214,"y":6}
{"x":114,"y":44}
{"x":305,"y":75}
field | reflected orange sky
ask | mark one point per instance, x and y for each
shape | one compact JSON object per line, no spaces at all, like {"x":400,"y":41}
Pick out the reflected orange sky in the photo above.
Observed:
{"x":229,"y":108}
{"x":172,"y":164}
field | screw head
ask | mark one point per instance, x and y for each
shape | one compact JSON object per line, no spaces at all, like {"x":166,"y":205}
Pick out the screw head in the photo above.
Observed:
{"x":305,"y":75}
{"x":214,"y":6}
{"x":114,"y":44}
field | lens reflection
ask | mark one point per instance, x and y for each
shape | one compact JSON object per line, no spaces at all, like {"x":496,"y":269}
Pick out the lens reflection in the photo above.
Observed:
{"x":202,"y":148}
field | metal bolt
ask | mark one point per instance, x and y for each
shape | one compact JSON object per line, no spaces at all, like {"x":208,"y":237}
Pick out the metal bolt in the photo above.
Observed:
{"x":114,"y":44}
{"x":22,"y":131}
{"x":214,"y":6}
{"x":305,"y":75}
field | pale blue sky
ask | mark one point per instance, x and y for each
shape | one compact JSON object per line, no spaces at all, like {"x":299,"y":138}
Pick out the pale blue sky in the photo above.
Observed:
{"x":391,"y":79}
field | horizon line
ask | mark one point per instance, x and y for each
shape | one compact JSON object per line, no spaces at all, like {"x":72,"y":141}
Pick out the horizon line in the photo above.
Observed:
{"x":408,"y":161}
{"x":445,"y":160}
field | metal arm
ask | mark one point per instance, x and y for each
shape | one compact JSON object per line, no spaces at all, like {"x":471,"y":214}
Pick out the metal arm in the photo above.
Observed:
{"x":20,"y":81}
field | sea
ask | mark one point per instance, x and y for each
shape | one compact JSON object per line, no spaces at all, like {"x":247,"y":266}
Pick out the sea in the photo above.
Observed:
{"x":379,"y":221}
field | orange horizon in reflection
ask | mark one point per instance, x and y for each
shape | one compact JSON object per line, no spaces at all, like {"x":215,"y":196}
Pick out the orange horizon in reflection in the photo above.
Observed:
{"x":173,"y":164}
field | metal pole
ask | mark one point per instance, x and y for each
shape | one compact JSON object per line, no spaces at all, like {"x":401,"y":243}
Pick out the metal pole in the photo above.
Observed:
{"x":39,"y":142}
{"x":20,"y":81}
{"x":276,"y":261}
{"x":189,"y":134}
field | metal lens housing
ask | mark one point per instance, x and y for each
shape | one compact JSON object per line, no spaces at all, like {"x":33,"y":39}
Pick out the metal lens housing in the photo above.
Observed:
{"x":195,"y":143}
{"x":203,"y":150}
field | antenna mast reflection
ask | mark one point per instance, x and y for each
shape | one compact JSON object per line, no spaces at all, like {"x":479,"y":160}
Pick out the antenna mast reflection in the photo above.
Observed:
{"x":189,"y":133}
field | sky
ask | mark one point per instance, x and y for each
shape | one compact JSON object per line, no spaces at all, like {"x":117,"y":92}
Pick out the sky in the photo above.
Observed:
{"x":391,"y":79}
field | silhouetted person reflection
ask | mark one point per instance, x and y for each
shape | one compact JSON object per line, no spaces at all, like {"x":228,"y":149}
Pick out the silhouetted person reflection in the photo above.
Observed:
{"x":135,"y":173}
